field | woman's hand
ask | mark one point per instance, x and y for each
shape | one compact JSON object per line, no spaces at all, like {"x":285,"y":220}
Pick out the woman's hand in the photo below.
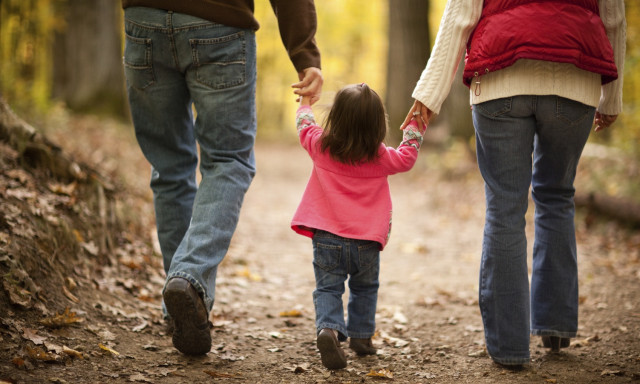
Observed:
{"x":420,"y":113}
{"x":603,"y":121}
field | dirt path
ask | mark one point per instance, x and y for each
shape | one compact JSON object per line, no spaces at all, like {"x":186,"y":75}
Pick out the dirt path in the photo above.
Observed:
{"x":429,"y":326}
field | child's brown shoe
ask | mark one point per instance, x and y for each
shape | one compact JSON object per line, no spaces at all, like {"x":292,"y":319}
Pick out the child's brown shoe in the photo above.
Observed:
{"x":331,"y":353}
{"x":362,"y":346}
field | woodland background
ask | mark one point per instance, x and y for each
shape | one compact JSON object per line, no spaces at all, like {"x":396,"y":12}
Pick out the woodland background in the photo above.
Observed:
{"x":82,"y":273}
{"x":67,"y":55}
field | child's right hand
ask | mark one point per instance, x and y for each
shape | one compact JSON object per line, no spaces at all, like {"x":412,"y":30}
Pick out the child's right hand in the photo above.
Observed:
{"x":416,"y":125}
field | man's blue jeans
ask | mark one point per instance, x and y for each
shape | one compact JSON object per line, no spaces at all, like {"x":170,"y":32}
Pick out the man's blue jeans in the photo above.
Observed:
{"x":174,"y":63}
{"x":336,"y":259}
{"x":522,"y":142}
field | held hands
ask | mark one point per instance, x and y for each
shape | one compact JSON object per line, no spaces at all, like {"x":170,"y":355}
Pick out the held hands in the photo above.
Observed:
{"x":603,"y":121}
{"x":420,"y":114}
{"x":309,"y":87}
{"x":305,"y":100}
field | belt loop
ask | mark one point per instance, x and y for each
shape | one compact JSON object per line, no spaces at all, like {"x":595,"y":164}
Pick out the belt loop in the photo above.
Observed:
{"x":169,"y":19}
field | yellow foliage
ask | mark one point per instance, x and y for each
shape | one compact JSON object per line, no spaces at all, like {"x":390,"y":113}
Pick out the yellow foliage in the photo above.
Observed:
{"x":352,"y":38}
{"x":26,"y":37}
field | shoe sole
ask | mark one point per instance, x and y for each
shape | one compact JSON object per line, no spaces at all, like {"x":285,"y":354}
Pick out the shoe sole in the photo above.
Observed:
{"x":330,"y":352}
{"x":363,"y":350}
{"x":188,"y":338}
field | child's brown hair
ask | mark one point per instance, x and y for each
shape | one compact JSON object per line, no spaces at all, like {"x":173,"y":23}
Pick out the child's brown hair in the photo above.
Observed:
{"x":356,"y":125}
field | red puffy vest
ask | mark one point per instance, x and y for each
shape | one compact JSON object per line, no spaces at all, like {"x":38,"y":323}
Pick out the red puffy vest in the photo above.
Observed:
{"x":563,"y":31}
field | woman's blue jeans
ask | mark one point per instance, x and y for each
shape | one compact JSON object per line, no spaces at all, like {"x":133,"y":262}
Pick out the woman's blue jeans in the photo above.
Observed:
{"x":174,"y":63}
{"x":523,"y":142}
{"x":335,"y":259}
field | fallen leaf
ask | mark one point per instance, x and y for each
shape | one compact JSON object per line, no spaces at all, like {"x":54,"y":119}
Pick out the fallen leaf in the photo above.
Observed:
{"x":221,"y":374}
{"x":301,"y":368}
{"x":107,"y":335}
{"x":39,"y":354}
{"x":382,"y":373}
{"x":60,"y":189}
{"x":245,"y":272}
{"x":140,"y":327}
{"x":275,"y":335}
{"x":53,"y":347}
{"x":400,"y":318}
{"x":78,"y":235}
{"x":105,"y":348}
{"x":61,"y":319}
{"x":72,"y":352}
{"x":32,"y":335}
{"x":608,"y":372}
{"x":69,"y":295}
{"x":481,"y":353}
{"x":140,"y":377}
{"x":17,"y":295}
{"x":90,"y":247}
{"x":71,"y":284}
{"x":150,"y":347}
{"x":18,"y":362}
{"x":291,"y":313}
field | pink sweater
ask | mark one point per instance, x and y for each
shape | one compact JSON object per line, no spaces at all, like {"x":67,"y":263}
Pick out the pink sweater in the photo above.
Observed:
{"x":351,"y":201}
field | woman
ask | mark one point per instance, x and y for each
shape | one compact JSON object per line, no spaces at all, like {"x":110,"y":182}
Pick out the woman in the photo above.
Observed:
{"x":540,"y":74}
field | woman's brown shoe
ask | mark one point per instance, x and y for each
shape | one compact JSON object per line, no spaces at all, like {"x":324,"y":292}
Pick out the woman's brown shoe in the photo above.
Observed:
{"x":555,"y":342}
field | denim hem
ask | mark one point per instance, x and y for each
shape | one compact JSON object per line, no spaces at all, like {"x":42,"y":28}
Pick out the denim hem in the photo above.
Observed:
{"x":339,"y":328}
{"x":510,"y":360}
{"x":208,"y":302}
{"x":360,"y":335}
{"x":551,"y":332}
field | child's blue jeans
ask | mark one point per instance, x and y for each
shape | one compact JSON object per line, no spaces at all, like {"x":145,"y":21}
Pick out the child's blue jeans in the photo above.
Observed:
{"x":336,"y":259}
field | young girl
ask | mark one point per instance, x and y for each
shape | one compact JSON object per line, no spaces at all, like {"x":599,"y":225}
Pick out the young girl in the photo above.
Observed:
{"x":346,"y":210}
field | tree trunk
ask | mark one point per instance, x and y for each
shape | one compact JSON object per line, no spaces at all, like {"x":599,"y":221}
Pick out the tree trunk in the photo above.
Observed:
{"x":409,"y":47}
{"x":456,"y":111}
{"x":87,"y":57}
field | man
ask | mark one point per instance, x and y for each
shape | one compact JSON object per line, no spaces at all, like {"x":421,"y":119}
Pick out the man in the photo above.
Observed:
{"x":186,"y":55}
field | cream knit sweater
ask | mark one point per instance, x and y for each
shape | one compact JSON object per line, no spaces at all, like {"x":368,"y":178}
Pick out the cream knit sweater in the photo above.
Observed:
{"x":525,"y":77}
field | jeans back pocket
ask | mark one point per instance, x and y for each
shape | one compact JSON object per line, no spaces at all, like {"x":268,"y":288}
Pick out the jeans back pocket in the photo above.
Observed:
{"x":220,"y":61}
{"x":326,"y":256}
{"x":494,"y":108}
{"x":137,"y":62}
{"x":368,"y":254}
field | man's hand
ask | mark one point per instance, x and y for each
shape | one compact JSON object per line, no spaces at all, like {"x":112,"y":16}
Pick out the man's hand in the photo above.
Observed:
{"x":310,"y":84}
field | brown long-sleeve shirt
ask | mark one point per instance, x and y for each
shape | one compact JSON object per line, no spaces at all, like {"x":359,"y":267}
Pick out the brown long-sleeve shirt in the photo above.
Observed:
{"x":296,"y":20}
